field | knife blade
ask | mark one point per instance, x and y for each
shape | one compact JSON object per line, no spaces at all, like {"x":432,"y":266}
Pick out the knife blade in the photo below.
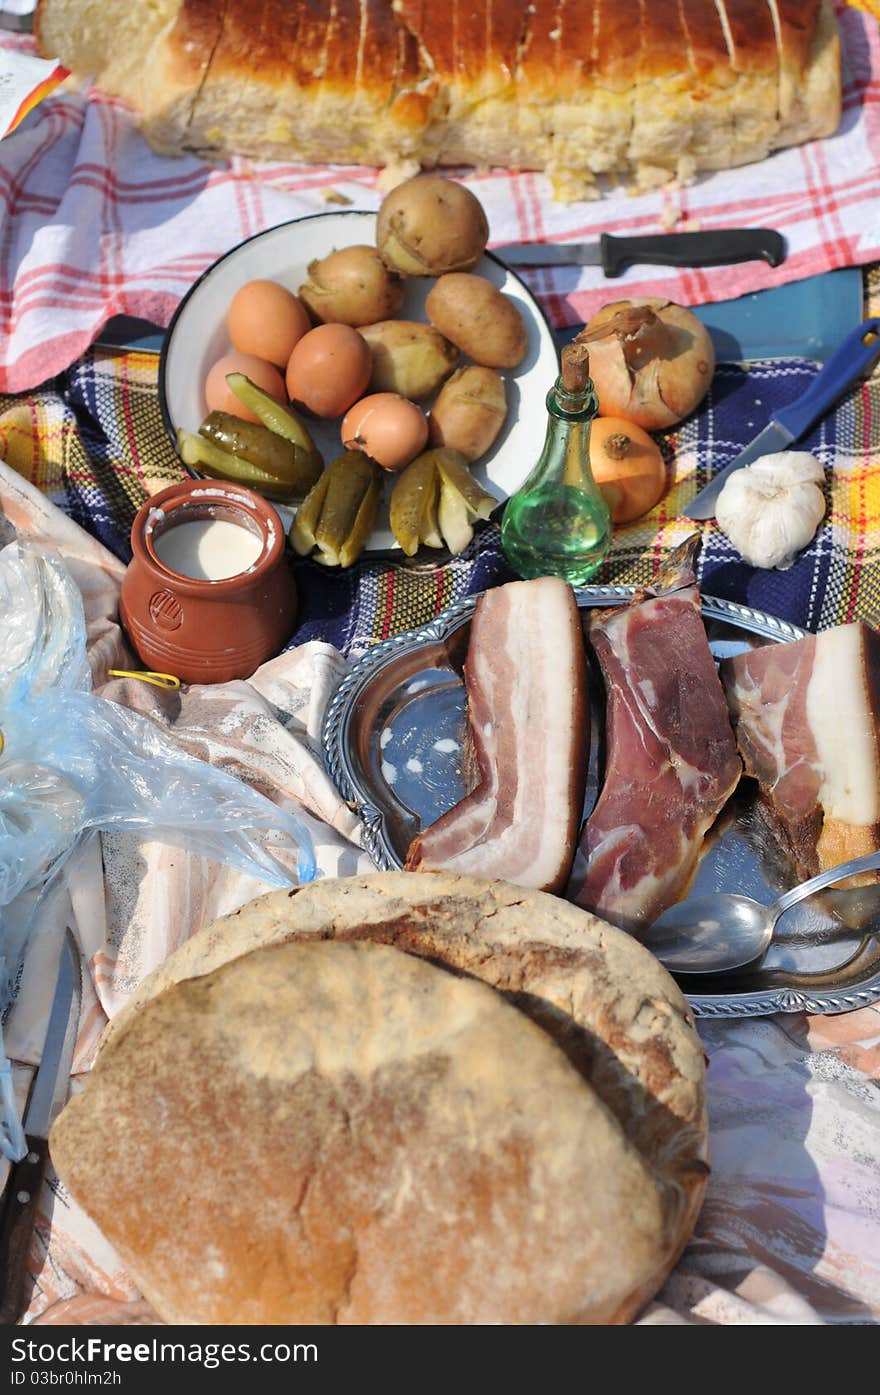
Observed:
{"x":719,"y":247}
{"x":854,"y":357}
{"x":48,"y":1093}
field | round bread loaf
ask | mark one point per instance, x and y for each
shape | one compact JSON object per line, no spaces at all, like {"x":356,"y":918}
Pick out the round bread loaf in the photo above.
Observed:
{"x":592,"y":1226}
{"x":341,"y":1132}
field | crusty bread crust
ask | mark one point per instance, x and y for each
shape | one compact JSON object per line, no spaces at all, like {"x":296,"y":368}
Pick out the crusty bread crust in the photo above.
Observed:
{"x":644,"y":88}
{"x":343,"y":1133}
{"x":605,"y":1000}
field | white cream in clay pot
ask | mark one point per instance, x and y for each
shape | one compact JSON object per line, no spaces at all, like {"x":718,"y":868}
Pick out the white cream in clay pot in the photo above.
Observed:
{"x":208,"y":549}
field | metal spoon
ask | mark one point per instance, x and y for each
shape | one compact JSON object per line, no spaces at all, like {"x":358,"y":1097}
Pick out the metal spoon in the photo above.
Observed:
{"x":712,"y":934}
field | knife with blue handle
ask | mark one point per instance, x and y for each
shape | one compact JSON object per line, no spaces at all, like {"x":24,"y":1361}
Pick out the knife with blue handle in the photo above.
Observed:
{"x":852,"y":359}
{"x":48,"y":1093}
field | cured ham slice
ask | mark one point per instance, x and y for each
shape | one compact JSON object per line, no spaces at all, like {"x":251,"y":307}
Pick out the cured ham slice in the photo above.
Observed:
{"x":526,"y":682}
{"x":671,"y":761}
{"x":805,"y":716}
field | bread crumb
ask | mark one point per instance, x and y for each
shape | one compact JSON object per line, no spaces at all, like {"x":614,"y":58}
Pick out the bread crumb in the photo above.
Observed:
{"x":572,"y":186}
{"x":650,"y":176}
{"x":395,"y":174}
{"x":334,"y":196}
{"x":686,"y":170}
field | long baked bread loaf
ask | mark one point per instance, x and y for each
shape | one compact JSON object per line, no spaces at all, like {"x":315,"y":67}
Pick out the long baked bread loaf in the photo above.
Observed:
{"x":647,"y":89}
{"x":599,"y":997}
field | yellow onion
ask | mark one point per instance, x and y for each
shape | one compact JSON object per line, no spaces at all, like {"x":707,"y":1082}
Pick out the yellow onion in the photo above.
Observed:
{"x":627,"y":466}
{"x":651,"y":361}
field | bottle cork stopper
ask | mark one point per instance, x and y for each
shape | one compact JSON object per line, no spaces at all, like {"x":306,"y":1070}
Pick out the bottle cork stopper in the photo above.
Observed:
{"x":575,"y":367}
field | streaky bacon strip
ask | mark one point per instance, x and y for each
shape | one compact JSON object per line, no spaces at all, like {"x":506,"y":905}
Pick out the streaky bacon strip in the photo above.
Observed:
{"x":806,"y":721}
{"x":671,"y":761}
{"x":529,"y":717}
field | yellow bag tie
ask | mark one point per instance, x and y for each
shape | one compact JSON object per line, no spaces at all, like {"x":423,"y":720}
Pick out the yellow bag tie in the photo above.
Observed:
{"x":158,"y":680}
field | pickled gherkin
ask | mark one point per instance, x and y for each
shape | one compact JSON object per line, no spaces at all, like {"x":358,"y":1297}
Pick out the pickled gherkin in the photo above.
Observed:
{"x":278,"y":418}
{"x":434,"y":501}
{"x":302,"y":529}
{"x":431,"y":527}
{"x":364,"y":523}
{"x":210,"y":459}
{"x":413,"y":509}
{"x":292,"y":465}
{"x":338,"y":515}
{"x":454,"y":520}
{"x":454,"y":472}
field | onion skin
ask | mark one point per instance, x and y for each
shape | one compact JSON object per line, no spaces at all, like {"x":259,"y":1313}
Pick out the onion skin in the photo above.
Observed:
{"x":657,"y":375}
{"x":627,"y":466}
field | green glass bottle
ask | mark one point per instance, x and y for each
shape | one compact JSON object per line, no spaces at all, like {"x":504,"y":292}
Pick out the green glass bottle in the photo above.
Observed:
{"x":557,"y":523}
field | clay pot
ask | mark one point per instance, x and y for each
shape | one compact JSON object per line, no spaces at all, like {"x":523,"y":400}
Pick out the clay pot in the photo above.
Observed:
{"x":207,"y":631}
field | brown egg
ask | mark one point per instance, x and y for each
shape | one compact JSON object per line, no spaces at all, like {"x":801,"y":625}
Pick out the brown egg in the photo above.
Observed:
{"x":267,"y":320}
{"x":387,"y":427}
{"x":329,"y":369}
{"x":220,"y":397}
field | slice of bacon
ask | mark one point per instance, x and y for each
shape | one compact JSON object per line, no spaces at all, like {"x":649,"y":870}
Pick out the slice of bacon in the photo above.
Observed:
{"x":806,"y":721}
{"x":671,"y":761}
{"x":529,"y":718}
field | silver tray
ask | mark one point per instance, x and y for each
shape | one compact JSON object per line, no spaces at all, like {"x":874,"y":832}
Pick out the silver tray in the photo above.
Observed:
{"x":393,"y":740}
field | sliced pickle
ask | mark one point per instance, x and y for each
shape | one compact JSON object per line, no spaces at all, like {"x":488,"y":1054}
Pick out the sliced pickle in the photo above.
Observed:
{"x":453,"y":467}
{"x":351,"y":475}
{"x":302,"y":529}
{"x":278,"y":418}
{"x":338,"y":515}
{"x":364,"y":523}
{"x":454,"y":519}
{"x":430,"y":534}
{"x":293,"y":465}
{"x":200,"y":453}
{"x":413,"y":499}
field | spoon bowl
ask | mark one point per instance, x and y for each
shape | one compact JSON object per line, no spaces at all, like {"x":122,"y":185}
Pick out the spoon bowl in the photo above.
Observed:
{"x":715,"y":934}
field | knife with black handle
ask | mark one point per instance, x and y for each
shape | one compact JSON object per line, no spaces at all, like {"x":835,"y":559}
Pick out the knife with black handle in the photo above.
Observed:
{"x":48,"y":1093}
{"x":720,"y":247}
{"x":25,"y":1180}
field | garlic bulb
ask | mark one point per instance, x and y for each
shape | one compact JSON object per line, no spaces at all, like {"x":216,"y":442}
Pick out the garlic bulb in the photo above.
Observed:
{"x":772,"y":508}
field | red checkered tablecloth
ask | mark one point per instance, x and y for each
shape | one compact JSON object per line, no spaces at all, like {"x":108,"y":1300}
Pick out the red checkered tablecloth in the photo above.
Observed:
{"x":97,"y":225}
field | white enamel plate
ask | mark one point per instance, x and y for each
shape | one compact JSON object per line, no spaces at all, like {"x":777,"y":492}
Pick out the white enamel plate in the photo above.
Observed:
{"x":197,"y":337}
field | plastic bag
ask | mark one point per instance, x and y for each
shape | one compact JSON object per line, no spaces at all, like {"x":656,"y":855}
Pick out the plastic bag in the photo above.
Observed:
{"x":71,"y":761}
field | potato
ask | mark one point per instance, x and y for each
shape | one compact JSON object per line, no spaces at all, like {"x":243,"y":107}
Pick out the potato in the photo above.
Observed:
{"x":409,"y":358}
{"x":352,"y":286}
{"x":469,"y":412}
{"x":430,"y":225}
{"x":473,"y":313}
